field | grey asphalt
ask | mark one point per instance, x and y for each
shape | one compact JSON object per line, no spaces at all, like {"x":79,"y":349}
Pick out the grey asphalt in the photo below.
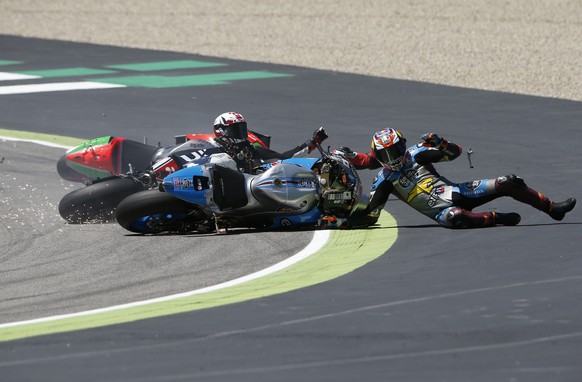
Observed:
{"x":479,"y":305}
{"x":50,"y":267}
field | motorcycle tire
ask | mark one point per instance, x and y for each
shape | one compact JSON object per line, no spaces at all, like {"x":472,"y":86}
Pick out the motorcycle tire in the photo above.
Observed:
{"x":98,"y":201}
{"x":152,"y":212}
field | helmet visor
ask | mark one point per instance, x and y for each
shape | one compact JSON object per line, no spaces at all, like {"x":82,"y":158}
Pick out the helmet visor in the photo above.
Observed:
{"x":236,"y":131}
{"x":391,"y":155}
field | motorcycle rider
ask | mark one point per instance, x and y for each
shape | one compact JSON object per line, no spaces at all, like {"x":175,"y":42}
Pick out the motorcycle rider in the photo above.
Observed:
{"x":409,"y":173}
{"x":231,"y":133}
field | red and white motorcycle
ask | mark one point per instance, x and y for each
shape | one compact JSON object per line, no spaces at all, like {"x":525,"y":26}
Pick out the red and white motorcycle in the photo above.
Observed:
{"x":113,"y":168}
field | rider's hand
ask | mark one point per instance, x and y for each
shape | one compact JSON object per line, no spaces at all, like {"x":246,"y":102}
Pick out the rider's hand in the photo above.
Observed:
{"x":345,"y":152}
{"x":433,"y":140}
{"x":319,"y":136}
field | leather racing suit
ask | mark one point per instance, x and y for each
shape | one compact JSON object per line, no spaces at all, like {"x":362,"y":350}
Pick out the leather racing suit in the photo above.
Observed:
{"x":450,"y":204}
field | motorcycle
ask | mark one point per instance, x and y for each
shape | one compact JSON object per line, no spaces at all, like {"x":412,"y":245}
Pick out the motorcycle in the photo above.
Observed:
{"x":213,"y":196}
{"x":113,"y":168}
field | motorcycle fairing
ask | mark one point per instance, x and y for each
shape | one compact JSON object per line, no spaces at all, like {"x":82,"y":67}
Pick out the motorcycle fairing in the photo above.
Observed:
{"x":289,"y":221}
{"x":95,"y":158}
{"x":286,"y":187}
{"x":254,"y":137}
{"x":106,"y":156}
{"x":258,"y":139}
{"x":187,"y":184}
{"x":303,"y":162}
{"x":188,"y":137}
{"x":142,"y":224}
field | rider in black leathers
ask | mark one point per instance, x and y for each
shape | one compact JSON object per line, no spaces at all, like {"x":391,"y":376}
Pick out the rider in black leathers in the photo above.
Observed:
{"x":231,"y":134}
{"x":409,"y":173}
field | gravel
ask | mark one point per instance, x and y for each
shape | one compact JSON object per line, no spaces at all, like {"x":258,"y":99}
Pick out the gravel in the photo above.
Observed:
{"x":517,"y":46}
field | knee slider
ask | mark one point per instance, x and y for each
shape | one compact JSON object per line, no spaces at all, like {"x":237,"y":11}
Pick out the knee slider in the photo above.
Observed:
{"x":510,"y":182}
{"x":453,"y":218}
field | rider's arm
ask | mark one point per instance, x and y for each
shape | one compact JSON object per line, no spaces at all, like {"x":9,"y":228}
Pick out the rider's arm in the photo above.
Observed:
{"x":302,"y":150}
{"x":433,"y":148}
{"x":265,"y":154}
{"x":360,"y":161}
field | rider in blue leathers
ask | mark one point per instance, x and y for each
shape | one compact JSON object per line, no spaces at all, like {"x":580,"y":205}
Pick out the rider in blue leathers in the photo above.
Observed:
{"x":410,"y":175}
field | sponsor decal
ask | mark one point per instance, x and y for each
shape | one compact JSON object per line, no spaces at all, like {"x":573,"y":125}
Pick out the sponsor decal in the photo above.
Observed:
{"x":433,"y":198}
{"x":200,"y":183}
{"x":425,"y":186}
{"x":474,"y":193}
{"x":286,"y":223}
{"x":473,"y":185}
{"x":183,"y":183}
{"x":308,"y":182}
{"x":406,"y":178}
{"x":186,"y":183}
{"x":472,"y":188}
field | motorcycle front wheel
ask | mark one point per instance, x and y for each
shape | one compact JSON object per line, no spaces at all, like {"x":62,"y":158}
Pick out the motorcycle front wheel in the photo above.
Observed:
{"x":97,"y":202}
{"x":152,"y":212}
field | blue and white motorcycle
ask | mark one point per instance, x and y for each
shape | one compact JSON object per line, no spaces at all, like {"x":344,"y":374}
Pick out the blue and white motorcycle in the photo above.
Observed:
{"x":212,"y":195}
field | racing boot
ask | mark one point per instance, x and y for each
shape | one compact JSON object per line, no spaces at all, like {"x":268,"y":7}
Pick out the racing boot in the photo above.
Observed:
{"x":514,"y":186}
{"x":559,"y":210}
{"x":508,"y":219}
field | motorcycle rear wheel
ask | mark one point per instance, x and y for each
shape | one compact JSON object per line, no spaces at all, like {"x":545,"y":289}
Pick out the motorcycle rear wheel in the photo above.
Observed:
{"x":152,"y":212}
{"x":97,"y":202}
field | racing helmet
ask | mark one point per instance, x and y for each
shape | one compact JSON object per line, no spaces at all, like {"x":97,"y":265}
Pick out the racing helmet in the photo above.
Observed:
{"x":389,"y":147}
{"x":231,"y":127}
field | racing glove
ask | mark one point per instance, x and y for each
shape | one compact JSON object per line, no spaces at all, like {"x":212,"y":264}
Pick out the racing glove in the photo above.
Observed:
{"x":319,"y":136}
{"x":345,"y":152}
{"x":433,"y":140}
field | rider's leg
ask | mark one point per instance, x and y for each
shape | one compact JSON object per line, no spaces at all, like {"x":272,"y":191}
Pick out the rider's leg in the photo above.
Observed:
{"x":369,"y":216}
{"x":479,"y":192}
{"x":455,"y":217}
{"x":514,"y":186}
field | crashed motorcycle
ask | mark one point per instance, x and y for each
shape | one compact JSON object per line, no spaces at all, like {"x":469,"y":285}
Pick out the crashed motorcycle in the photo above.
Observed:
{"x":213,"y":196}
{"x":113,"y":168}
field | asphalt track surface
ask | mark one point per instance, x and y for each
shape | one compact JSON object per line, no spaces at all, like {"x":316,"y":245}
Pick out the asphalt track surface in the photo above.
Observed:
{"x":479,"y":305}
